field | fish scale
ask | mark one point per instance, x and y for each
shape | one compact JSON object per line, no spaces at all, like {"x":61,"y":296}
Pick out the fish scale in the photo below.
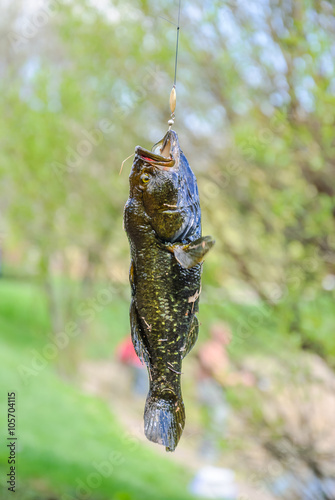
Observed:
{"x":162,"y":219}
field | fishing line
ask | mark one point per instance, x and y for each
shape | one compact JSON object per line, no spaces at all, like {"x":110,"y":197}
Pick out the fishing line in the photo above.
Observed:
{"x":177,"y":47}
{"x":173,"y":95}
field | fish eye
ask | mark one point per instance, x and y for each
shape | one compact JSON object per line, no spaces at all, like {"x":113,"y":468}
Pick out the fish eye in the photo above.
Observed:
{"x":145,"y":178}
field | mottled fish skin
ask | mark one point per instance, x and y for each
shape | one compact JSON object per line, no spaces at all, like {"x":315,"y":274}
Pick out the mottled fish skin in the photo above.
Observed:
{"x":162,"y":219}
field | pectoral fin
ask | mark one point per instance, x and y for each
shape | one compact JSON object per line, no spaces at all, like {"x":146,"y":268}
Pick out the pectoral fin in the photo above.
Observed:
{"x":192,"y":254}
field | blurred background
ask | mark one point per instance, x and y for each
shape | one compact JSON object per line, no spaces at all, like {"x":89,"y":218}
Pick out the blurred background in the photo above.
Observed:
{"x":84,"y":82}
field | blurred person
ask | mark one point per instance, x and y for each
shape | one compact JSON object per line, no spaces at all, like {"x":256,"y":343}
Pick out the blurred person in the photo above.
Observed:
{"x":126,"y":355}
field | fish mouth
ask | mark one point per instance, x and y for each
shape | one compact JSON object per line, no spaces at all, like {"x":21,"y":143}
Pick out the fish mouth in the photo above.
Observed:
{"x":163,"y":154}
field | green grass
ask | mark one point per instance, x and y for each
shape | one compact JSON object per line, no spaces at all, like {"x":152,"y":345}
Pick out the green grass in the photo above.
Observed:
{"x":23,"y":313}
{"x":62,"y":434}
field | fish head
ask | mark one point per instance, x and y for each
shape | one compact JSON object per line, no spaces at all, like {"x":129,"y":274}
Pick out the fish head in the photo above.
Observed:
{"x":162,"y":180}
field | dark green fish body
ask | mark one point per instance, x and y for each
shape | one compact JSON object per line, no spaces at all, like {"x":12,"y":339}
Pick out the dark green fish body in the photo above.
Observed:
{"x":163,"y":223}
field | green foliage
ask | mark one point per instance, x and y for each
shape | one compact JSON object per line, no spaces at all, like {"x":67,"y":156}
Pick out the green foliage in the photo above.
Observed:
{"x":255,"y":116}
{"x":264,"y":169}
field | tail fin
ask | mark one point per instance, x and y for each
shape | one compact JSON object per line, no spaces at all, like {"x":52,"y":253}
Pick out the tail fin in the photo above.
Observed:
{"x":164,"y":419}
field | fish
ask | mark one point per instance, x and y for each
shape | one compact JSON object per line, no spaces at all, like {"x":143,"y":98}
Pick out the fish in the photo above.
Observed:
{"x":162,"y":219}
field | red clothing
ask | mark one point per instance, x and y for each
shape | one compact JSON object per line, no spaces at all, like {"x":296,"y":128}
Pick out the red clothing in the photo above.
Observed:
{"x":126,"y":353}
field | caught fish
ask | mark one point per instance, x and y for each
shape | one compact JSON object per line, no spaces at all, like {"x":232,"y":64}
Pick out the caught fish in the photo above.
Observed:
{"x":162,"y":219}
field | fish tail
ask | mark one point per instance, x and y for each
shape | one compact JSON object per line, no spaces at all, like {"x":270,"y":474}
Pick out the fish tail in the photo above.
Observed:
{"x":164,"y":419}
